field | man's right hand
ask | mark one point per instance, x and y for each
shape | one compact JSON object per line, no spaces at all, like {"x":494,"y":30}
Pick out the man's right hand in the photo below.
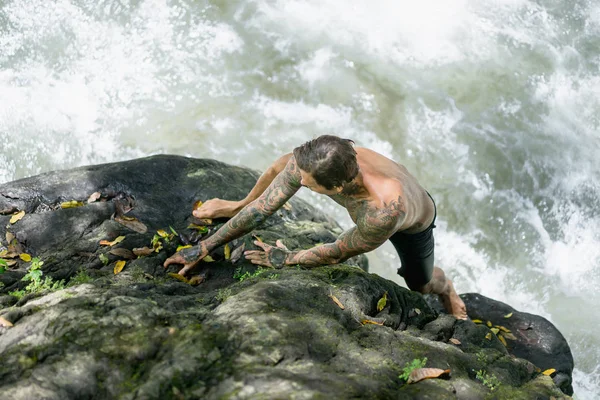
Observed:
{"x":217,"y":208}
{"x":188,"y":257}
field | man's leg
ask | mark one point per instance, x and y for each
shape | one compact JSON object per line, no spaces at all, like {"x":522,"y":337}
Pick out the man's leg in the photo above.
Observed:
{"x":443,"y":287}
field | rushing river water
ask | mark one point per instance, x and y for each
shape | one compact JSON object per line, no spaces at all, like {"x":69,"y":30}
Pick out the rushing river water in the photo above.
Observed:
{"x":493,"y":104}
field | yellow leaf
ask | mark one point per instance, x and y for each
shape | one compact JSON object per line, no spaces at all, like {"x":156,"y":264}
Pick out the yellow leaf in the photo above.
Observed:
{"x":477,"y":321}
{"x":502,"y":328}
{"x":6,"y":323}
{"x":179,"y":248}
{"x":25,"y":257}
{"x":382,"y":302}
{"x":197,"y":205}
{"x":489,"y":336}
{"x":502,"y":340}
{"x":495,"y":330}
{"x":178,"y":277}
{"x":257,"y":238}
{"x":508,"y":315}
{"x":162,"y":233}
{"x":117,"y":240}
{"x":208,"y":259}
{"x":17,"y":217}
{"x":509,"y":335}
{"x":336,"y":301}
{"x":119,"y":266}
{"x":489,"y":324}
{"x":227,"y":251}
{"x":549,"y":372}
{"x":71,"y":204}
{"x":368,"y":321}
{"x":199,"y":228}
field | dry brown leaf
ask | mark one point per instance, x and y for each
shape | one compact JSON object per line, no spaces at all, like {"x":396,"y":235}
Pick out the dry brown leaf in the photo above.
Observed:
{"x":142,"y":251}
{"x":237,"y":253}
{"x":454,"y":341}
{"x":10,"y":263}
{"x":9,"y":254}
{"x":5,"y":322}
{"x":94,"y":197}
{"x":427,"y":373}
{"x":549,"y":372}
{"x":123,"y":253}
{"x":227,"y":251}
{"x":336,"y":301}
{"x":369,"y":321}
{"x":119,"y":265}
{"x":9,"y":237}
{"x":132,"y":223}
{"x":17,"y":217}
{"x":71,"y":204}
{"x":117,"y":240}
{"x":25,"y":257}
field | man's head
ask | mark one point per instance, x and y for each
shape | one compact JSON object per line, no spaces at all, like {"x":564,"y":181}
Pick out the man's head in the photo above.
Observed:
{"x":327,"y":161}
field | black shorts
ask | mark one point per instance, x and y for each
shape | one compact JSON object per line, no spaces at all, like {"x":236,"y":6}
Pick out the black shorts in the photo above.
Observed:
{"x":416,"y":254}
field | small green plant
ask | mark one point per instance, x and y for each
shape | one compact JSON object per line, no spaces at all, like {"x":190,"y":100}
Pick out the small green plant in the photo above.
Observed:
{"x":273,"y":276}
{"x":411,"y":366}
{"x":491,"y":381}
{"x":81,"y":278}
{"x":37,"y":284}
{"x":223,"y":294}
{"x":246,"y":275}
{"x":3,"y":265}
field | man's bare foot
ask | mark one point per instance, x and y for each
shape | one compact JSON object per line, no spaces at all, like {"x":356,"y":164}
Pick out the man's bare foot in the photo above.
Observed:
{"x":453,"y":303}
{"x":217,"y":208}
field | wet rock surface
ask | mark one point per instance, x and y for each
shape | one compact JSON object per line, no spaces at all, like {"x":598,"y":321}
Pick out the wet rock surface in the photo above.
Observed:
{"x":243,"y":333}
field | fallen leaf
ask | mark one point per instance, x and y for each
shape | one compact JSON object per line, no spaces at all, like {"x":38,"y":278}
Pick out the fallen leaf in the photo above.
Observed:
{"x":495,"y":330}
{"x":162,"y":233}
{"x":173,"y":231}
{"x":119,"y":265}
{"x":17,"y":217}
{"x":489,"y":324}
{"x":6,"y":323}
{"x":257,"y":238}
{"x":187,"y":246}
{"x":208,"y":259}
{"x":549,"y":372}
{"x":454,"y":341}
{"x":197,"y":205}
{"x":489,"y":336}
{"x":501,"y":338}
{"x":10,"y":263}
{"x":25,"y":257}
{"x":8,"y":254}
{"x":368,"y":321}
{"x":71,"y":204}
{"x":117,"y":240}
{"x":132,"y":223}
{"x":427,"y":373}
{"x":417,"y":311}
{"x":382,"y":302}
{"x":509,"y":335}
{"x":508,"y":315}
{"x":237,"y":253}
{"x":199,"y":228}
{"x":502,"y":328}
{"x":9,"y":237}
{"x":478,"y":321}
{"x":178,"y":277}
{"x":123,"y":253}
{"x":142,"y":251}
{"x":336,"y":301}
{"x":94,"y":197}
{"x":227,"y":251}
{"x":196,"y":280}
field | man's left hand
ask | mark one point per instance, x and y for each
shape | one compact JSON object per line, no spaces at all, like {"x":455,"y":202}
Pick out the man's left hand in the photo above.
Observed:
{"x":271,"y":256}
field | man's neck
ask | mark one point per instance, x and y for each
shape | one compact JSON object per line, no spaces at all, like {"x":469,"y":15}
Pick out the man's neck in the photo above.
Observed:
{"x":355,"y":188}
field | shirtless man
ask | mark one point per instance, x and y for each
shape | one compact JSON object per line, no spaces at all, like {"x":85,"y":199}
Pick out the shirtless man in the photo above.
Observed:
{"x":383,"y":199}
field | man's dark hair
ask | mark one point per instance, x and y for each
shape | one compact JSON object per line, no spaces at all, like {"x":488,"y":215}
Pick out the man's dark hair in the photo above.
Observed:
{"x":329,"y":159}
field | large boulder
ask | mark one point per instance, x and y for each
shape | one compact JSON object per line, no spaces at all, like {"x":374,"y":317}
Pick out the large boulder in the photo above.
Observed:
{"x":243,"y":333}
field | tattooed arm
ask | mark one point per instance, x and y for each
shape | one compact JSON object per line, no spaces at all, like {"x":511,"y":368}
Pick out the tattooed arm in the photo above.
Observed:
{"x":374,"y":227}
